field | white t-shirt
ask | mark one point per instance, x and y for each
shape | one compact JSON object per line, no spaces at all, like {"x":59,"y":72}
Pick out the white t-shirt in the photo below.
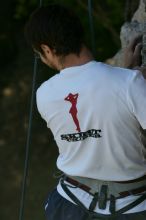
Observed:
{"x":95,"y":112}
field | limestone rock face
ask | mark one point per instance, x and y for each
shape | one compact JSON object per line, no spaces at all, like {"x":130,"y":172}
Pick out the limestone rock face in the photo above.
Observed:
{"x":128,"y":31}
{"x":140,"y":14}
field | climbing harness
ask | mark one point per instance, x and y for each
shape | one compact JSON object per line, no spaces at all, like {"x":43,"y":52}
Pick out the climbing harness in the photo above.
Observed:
{"x":101,"y":196}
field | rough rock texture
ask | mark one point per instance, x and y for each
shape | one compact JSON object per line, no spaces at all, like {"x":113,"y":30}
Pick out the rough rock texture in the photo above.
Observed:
{"x":128,"y":31}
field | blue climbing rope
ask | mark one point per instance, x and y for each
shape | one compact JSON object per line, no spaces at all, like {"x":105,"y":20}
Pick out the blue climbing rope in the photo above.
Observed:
{"x":28,"y":140}
{"x":92,"y":32}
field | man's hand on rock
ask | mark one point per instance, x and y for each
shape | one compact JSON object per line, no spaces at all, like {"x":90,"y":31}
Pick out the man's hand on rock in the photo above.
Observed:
{"x":132,"y":53}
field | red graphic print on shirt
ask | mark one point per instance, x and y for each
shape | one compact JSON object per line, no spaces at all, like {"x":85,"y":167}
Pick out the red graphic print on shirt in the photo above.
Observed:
{"x":72,"y":98}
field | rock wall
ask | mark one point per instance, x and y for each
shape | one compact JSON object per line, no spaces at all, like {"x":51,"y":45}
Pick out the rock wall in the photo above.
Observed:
{"x":128,"y":31}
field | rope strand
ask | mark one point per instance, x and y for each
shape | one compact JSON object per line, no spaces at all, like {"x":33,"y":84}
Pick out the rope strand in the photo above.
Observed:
{"x":28,"y":140}
{"x":91,"y":26}
{"x":144,"y":41}
{"x":24,"y":183}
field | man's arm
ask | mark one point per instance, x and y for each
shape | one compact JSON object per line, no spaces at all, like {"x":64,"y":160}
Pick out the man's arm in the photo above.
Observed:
{"x":132,"y":55}
{"x":133,"y":59}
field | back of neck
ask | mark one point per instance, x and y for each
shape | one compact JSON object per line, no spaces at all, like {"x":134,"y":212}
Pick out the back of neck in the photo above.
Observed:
{"x":71,"y":60}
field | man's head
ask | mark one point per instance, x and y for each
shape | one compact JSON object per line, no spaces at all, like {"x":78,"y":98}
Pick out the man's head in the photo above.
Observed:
{"x":54,"y":31}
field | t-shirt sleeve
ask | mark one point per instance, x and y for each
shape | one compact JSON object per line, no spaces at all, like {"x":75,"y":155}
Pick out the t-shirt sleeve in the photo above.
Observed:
{"x":136,"y":96}
{"x":40,"y":101}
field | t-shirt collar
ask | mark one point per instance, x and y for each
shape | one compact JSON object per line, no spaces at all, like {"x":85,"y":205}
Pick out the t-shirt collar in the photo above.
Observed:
{"x":75,"y":68}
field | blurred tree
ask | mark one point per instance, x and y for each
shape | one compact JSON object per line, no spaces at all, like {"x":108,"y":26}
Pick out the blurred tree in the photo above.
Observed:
{"x":7,"y":42}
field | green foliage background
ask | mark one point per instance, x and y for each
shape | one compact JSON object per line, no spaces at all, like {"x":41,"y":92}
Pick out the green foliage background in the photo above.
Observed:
{"x":108,"y":17}
{"x":16,"y":66}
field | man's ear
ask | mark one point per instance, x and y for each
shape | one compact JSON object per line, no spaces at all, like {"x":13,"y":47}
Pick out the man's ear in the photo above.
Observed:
{"x":45,"y":48}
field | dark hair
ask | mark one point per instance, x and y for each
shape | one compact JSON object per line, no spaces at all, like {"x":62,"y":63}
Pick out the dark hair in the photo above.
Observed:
{"x":56,"y":26}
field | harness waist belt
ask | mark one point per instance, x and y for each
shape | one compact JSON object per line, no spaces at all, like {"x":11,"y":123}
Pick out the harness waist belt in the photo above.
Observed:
{"x":132,"y":181}
{"x":122,"y":194}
